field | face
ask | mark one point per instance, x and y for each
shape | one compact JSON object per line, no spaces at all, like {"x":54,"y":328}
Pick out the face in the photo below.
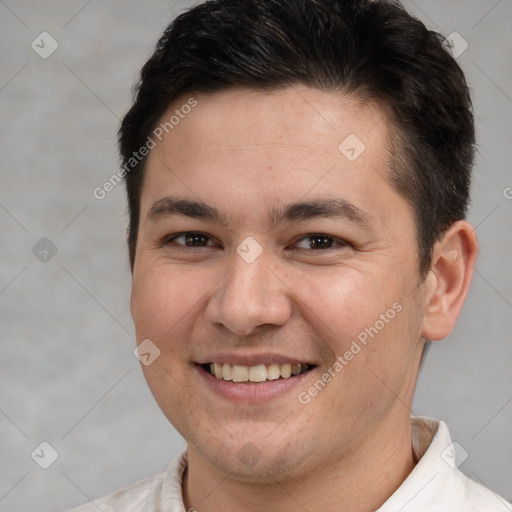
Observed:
{"x":271,"y":247}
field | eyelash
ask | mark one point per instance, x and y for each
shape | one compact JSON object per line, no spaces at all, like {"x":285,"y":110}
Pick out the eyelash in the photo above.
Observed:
{"x":333,"y":240}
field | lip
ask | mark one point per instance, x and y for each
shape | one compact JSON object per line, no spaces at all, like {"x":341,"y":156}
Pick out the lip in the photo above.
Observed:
{"x":250,"y":392}
{"x":253,"y":359}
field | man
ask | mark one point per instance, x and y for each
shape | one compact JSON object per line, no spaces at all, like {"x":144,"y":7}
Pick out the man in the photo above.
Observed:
{"x":298,"y":176}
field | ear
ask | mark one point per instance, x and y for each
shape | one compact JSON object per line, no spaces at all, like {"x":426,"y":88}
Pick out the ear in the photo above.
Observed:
{"x":447,"y":284}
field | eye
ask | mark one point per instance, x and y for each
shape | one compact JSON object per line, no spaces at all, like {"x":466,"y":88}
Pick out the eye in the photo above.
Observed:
{"x":319,"y":241}
{"x":189,"y":239}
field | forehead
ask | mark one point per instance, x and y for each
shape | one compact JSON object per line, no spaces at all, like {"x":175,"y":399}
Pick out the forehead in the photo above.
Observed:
{"x":253,"y":147}
{"x":246,"y":119}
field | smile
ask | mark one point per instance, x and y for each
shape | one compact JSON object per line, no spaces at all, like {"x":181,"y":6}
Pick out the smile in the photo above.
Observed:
{"x":258,"y":373}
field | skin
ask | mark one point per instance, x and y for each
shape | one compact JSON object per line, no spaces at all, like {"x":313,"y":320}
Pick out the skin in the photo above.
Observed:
{"x":248,"y":154}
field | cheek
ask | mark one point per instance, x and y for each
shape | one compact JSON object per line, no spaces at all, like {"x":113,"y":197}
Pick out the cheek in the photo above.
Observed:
{"x":342,"y":303}
{"x":165,"y":306}
{"x":370,"y":321}
{"x":163,"y":298}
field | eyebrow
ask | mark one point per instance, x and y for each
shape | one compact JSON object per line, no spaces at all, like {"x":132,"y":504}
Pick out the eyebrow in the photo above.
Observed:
{"x":196,"y":209}
{"x":303,"y":210}
{"x":337,"y":208}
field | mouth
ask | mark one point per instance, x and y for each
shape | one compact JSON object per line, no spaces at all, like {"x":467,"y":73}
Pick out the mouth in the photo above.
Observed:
{"x":255,"y":374}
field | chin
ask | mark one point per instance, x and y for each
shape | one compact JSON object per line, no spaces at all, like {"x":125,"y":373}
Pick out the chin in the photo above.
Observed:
{"x":268,"y":470}
{"x":250,"y":463}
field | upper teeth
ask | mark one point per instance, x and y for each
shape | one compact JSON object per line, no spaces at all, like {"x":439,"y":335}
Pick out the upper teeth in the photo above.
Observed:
{"x":257,"y":373}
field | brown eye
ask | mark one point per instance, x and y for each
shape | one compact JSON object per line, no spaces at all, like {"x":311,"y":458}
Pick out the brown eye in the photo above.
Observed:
{"x":196,"y":240}
{"x":318,"y":241}
{"x":190,"y":239}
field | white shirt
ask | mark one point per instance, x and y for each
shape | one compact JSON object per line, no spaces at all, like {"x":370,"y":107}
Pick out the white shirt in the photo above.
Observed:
{"x":434,"y":485}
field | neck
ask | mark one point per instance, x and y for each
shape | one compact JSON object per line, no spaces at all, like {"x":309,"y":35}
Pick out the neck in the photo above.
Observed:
{"x":359,"y":482}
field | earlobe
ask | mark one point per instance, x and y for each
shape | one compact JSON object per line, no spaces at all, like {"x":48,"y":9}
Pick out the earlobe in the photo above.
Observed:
{"x":448,"y":281}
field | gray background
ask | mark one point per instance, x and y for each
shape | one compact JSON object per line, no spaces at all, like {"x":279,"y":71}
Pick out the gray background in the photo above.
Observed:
{"x":67,"y":372}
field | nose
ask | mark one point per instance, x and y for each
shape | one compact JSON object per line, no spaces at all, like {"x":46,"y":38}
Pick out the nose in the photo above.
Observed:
{"x":250,"y":297}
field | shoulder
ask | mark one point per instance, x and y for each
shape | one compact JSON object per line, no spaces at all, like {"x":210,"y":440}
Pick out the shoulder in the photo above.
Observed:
{"x":477,"y":498}
{"x":133,"y":498}
{"x":436,"y":483}
{"x":146,"y":495}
